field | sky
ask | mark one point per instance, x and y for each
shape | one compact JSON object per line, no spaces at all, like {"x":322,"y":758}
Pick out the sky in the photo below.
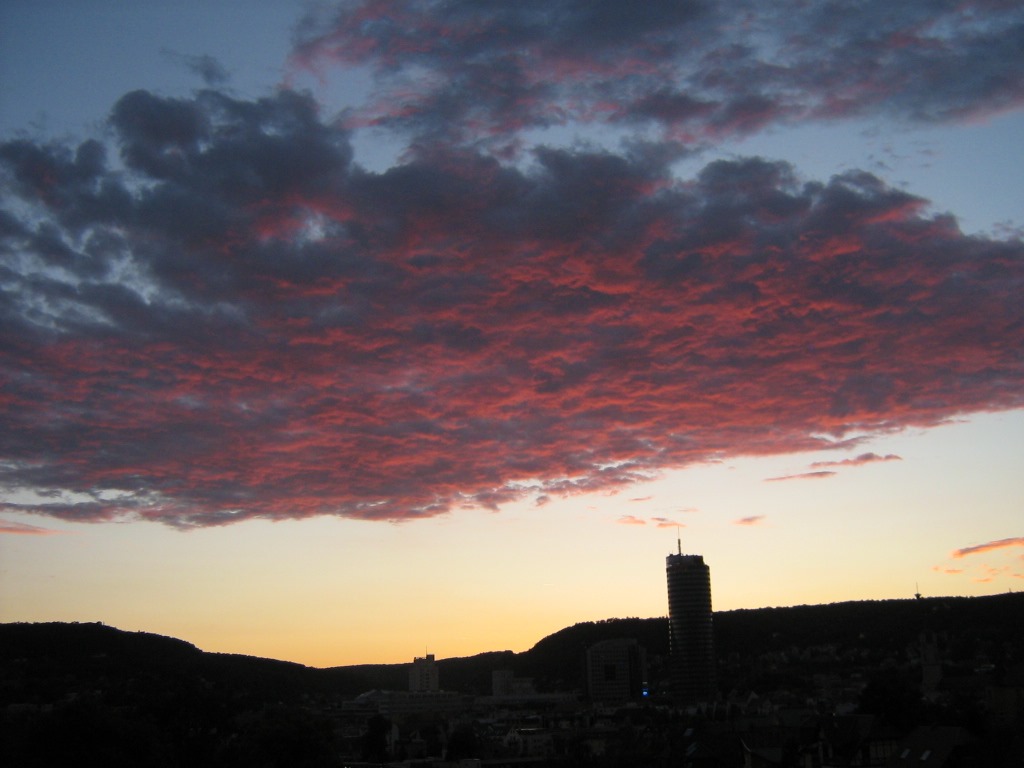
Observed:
{"x":344,"y":332}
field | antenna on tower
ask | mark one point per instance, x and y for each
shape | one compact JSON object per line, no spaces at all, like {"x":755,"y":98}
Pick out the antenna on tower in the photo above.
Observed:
{"x":679,"y":541}
{"x":917,"y":591}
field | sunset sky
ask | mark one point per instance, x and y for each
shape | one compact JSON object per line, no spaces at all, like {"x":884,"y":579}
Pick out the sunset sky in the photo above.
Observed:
{"x":342,"y":332}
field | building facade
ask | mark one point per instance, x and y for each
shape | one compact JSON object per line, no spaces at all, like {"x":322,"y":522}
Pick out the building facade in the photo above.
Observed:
{"x":616,"y":672}
{"x":691,"y":635}
{"x":423,"y":676}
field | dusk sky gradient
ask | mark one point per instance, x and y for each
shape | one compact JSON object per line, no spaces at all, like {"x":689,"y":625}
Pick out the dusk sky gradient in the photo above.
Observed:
{"x":334,"y":332}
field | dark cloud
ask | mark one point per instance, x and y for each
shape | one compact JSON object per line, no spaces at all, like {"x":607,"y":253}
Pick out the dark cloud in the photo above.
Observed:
{"x":220,"y":316}
{"x":468,"y":70}
{"x":205,"y":66}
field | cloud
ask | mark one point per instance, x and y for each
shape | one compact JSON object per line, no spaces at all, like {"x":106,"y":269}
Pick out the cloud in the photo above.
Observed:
{"x":466,"y":71}
{"x":991,"y":574}
{"x":864,"y":458}
{"x":219,"y":315}
{"x":752,"y":520}
{"x":988,"y":547}
{"x":631,"y":520}
{"x":802,"y":476}
{"x":666,"y":522}
{"x":984,"y":572}
{"x":207,"y":67}
{"x":24,"y":529}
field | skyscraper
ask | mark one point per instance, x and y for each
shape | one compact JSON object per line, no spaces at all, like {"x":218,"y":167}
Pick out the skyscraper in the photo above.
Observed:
{"x":691,"y":637}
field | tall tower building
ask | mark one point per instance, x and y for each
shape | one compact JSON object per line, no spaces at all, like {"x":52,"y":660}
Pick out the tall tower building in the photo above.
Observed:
{"x":691,"y":637}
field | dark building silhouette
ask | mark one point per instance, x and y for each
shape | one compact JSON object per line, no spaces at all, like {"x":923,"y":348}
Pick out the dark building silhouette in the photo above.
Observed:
{"x":423,"y":677}
{"x":616,"y":672}
{"x":931,"y":659}
{"x":691,"y":637}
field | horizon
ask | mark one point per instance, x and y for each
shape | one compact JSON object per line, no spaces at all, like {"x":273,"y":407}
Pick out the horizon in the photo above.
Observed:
{"x":509,"y":650}
{"x":336,"y":330}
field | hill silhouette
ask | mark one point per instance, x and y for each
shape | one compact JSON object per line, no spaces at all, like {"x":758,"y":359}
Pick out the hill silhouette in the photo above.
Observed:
{"x":89,"y":694}
{"x":83,"y":650}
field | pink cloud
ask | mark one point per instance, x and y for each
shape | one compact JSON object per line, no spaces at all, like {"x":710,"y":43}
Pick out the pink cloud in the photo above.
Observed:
{"x":631,"y":520}
{"x":752,"y":520}
{"x":1017,"y":541}
{"x":457,"y":332}
{"x":986,"y":573}
{"x":864,"y":458}
{"x":803,"y":476}
{"x":665,"y":522}
{"x":23,"y":529}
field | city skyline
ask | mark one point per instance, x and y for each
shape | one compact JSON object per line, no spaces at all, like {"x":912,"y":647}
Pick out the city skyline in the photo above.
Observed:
{"x":331,"y":331}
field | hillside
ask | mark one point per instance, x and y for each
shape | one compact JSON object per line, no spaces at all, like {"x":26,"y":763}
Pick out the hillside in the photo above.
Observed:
{"x":88,"y":694}
{"x":43,"y":655}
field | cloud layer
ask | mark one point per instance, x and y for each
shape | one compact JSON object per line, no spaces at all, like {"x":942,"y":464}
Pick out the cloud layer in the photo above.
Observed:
{"x":700,"y":71}
{"x":218,"y":315}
